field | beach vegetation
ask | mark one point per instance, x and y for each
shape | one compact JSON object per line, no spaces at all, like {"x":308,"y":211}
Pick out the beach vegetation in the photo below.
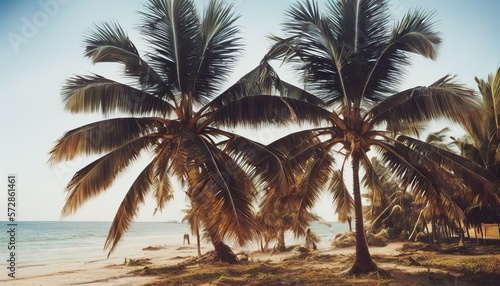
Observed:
{"x":483,"y":147}
{"x":352,"y":60}
{"x":176,"y":110}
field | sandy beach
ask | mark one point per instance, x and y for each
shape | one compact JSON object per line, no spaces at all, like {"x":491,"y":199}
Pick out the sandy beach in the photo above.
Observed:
{"x":113,"y":271}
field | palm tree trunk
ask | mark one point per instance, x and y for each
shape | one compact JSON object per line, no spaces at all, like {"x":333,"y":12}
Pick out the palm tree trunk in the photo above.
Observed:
{"x":429,"y":234}
{"x":198,"y":240}
{"x":281,"y":240}
{"x":434,"y":230}
{"x":224,"y":252}
{"x":461,"y":241}
{"x":349,"y":221}
{"x":363,"y":262}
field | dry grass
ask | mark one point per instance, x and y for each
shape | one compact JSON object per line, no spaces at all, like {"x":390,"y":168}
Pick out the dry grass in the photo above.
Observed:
{"x":466,"y":266}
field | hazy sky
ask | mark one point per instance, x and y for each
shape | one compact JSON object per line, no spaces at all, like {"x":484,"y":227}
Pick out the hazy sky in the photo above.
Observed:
{"x":41,"y":46}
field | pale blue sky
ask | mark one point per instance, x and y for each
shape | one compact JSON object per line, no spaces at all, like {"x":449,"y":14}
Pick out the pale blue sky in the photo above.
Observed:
{"x":40,"y":47}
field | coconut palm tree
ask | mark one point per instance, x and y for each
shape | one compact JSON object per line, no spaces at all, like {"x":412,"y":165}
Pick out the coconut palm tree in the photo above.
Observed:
{"x":483,"y":146}
{"x":285,"y":213}
{"x":352,"y":60}
{"x":174,"y":111}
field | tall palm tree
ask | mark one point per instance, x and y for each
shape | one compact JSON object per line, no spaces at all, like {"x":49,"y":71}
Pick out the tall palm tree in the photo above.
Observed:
{"x":351,"y":61}
{"x":173,"y":100}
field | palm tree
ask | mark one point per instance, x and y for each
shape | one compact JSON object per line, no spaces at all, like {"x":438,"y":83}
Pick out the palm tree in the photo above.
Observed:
{"x":482,"y":145}
{"x":175,"y":110}
{"x":389,"y":201}
{"x":351,"y":60}
{"x":285,"y":213}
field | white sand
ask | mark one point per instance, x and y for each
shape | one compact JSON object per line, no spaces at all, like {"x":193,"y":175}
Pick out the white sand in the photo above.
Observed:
{"x":111,"y":272}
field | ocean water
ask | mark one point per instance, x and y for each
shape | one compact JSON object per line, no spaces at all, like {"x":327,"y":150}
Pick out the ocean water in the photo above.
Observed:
{"x":45,"y":242}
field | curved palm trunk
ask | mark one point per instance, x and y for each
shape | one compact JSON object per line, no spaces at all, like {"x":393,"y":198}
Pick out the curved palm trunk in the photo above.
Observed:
{"x":224,"y":252}
{"x":363,"y":262}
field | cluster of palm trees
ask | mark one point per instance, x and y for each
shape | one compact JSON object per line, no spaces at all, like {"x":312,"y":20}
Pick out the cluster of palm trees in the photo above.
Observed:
{"x":350,"y":60}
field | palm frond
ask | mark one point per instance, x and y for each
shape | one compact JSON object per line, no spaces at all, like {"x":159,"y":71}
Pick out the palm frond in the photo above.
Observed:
{"x":494,"y":80}
{"x":262,"y":80}
{"x":95,"y":93}
{"x":103,"y":136}
{"x":314,"y":181}
{"x":311,"y":41}
{"x":477,"y":178}
{"x":220,"y":45}
{"x":439,"y":175}
{"x":342,"y":199}
{"x":260,"y":110}
{"x":296,"y":152}
{"x":404,"y":166}
{"x":443,"y":99}
{"x":109,"y":43}
{"x":265,"y":167}
{"x":163,"y":190}
{"x":360,"y":28}
{"x":100,"y":174}
{"x":359,"y":25}
{"x":413,"y":34}
{"x":129,"y":207}
{"x":490,"y":91}
{"x":219,"y":182}
{"x":173,"y":30}
{"x":371,"y":181}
